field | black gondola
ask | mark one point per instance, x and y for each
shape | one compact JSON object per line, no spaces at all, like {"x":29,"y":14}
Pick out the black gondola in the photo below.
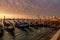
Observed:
{"x":8,"y":26}
{"x":1,"y":30}
{"x":36,"y":24}
{"x":21,"y":24}
{"x":31,"y":24}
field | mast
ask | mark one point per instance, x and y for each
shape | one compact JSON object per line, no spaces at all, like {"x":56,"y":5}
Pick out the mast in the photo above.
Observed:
{"x":4,"y":19}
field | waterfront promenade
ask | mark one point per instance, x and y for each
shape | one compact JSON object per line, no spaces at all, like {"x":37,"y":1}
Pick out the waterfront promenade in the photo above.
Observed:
{"x":56,"y":36}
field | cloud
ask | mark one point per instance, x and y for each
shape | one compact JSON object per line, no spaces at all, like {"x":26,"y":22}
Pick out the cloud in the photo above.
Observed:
{"x":31,"y":7}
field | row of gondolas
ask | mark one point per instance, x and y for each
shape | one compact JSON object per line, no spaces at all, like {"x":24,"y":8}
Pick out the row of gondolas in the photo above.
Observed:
{"x":10,"y":26}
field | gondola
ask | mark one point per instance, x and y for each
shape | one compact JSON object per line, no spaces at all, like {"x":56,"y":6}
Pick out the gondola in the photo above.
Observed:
{"x":8,"y":26}
{"x":1,"y":30}
{"x":21,"y":25}
{"x":36,"y":24}
{"x":31,"y":24}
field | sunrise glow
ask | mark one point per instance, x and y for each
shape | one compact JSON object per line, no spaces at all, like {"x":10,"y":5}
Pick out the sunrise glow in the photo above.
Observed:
{"x":7,"y":15}
{"x":12,"y":15}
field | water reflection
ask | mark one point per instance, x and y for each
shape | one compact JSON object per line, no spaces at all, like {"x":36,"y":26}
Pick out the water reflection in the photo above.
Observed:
{"x":12,"y":34}
{"x":1,"y":37}
{"x":24,"y":33}
{"x":22,"y":29}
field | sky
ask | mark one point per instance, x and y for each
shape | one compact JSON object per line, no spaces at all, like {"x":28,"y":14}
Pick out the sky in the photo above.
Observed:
{"x":29,"y":8}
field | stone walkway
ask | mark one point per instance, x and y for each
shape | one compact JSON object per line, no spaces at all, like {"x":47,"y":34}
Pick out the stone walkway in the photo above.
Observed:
{"x":56,"y":36}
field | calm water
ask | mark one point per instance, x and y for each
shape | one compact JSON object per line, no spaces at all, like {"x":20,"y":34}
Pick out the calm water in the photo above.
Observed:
{"x":25,"y":34}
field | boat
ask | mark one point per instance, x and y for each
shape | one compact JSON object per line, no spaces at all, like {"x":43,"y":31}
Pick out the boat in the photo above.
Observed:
{"x":36,"y":24}
{"x":31,"y":24}
{"x":21,"y":24}
{"x":1,"y":30}
{"x":8,"y":26}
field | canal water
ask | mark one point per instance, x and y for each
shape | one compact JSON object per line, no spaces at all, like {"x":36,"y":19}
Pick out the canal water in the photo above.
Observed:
{"x":25,"y":34}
